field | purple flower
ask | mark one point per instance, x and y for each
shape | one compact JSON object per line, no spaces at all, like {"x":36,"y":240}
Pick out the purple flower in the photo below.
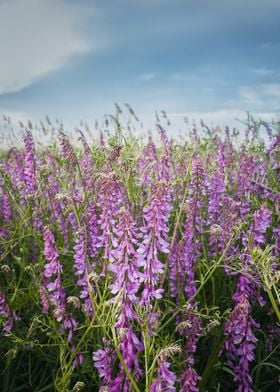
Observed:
{"x":126,"y":278}
{"x":189,"y":323}
{"x":50,"y":252}
{"x":261,"y":222}
{"x":67,"y":151}
{"x":7,"y":314}
{"x":81,"y":268}
{"x":148,"y":163}
{"x":191,"y":251}
{"x":92,"y":231}
{"x":86,"y":162}
{"x":124,"y":258}
{"x":215,"y":208}
{"x":103,"y":361}
{"x":166,"y":379}
{"x":155,"y":240}
{"x":29,"y":169}
{"x":177,"y":269}
{"x":190,"y":380}
{"x":110,"y":196}
{"x":53,"y":285}
{"x":241,"y":342}
{"x":244,"y":182}
{"x":129,"y":347}
{"x":189,"y":326}
{"x":193,"y":226}
{"x":44,"y":299}
{"x":5,"y":209}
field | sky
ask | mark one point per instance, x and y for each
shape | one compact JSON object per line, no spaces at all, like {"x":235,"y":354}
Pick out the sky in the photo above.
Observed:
{"x":73,"y":59}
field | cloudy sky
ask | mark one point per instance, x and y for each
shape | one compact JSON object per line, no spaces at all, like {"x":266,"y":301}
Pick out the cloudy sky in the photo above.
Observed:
{"x":73,"y":59}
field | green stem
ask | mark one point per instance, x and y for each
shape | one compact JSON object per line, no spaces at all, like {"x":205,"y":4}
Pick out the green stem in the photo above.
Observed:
{"x":274,"y":304}
{"x":210,"y":365}
{"x":127,"y":372}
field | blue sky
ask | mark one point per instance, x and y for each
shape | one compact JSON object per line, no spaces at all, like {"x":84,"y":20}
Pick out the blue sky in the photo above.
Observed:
{"x":73,"y":59}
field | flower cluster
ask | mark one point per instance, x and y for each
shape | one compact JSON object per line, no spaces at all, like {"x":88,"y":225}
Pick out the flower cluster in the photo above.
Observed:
{"x":53,"y":284}
{"x":241,"y":343}
{"x":81,"y":269}
{"x":155,"y":240}
{"x":157,"y":259}
{"x":125,"y":267}
{"x":29,"y":158}
{"x":7,"y":315}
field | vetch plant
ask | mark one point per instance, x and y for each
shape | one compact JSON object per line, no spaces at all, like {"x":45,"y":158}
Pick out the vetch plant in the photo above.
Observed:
{"x":133,"y":264}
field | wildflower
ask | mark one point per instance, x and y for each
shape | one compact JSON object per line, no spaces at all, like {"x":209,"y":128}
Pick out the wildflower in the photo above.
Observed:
{"x":81,"y":268}
{"x":6,"y":209}
{"x":110,"y":198}
{"x":241,"y":342}
{"x":92,"y":231}
{"x":155,"y":240}
{"x":67,"y":151}
{"x":103,"y":361}
{"x":127,"y":278}
{"x":262,"y":220}
{"x":148,"y":163}
{"x":215,"y":209}
{"x":124,"y":261}
{"x":190,"y":380}
{"x":53,"y":285}
{"x":245,"y":175}
{"x":7,"y":314}
{"x":29,"y":169}
{"x":165,"y":379}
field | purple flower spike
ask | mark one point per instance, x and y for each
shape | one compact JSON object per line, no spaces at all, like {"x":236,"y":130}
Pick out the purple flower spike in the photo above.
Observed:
{"x":50,"y":252}
{"x":81,"y":268}
{"x":103,"y":362}
{"x":156,"y":216}
{"x":53,"y":287}
{"x":148,"y":163}
{"x":262,"y":220}
{"x":5,"y":209}
{"x":190,"y":380}
{"x":29,"y":158}
{"x":67,"y":151}
{"x":110,"y":197}
{"x":7,"y":314}
{"x":166,"y":379}
{"x":124,"y":259}
{"x":241,"y":342}
{"x":126,"y":278}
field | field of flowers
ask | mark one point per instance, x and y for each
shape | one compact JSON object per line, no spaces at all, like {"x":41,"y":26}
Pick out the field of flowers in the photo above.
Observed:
{"x":141,"y":266}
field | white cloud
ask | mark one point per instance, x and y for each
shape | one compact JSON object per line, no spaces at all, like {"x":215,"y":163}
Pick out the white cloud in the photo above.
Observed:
{"x":37,"y":37}
{"x":266,"y":45}
{"x":148,"y":76}
{"x":263,"y":71}
{"x":250,"y":95}
{"x":260,"y":96}
{"x":272,"y":89}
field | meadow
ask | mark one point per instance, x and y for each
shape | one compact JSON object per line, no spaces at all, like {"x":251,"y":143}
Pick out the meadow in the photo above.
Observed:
{"x":140,"y":265}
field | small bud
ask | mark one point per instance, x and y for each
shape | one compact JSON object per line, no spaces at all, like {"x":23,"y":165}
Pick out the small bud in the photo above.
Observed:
{"x":93,"y":277}
{"x":5,"y":268}
{"x":79,"y":386}
{"x":74,"y":301}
